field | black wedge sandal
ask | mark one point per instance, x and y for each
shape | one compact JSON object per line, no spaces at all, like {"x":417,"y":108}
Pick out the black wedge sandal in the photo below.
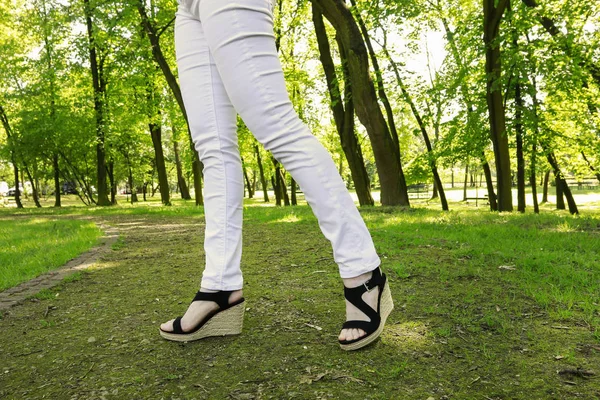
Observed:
{"x":374,"y":326}
{"x":227,"y":320}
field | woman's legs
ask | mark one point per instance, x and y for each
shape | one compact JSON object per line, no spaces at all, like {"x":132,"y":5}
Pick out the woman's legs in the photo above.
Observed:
{"x":238,"y":37}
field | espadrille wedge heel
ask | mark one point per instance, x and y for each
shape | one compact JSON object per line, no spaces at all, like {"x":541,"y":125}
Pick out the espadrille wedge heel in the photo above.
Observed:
{"x":374,"y":326}
{"x":227,"y":320}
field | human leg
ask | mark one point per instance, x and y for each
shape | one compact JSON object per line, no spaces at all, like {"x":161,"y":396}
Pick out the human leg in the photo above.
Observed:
{"x":241,"y":39}
{"x":212,"y":121}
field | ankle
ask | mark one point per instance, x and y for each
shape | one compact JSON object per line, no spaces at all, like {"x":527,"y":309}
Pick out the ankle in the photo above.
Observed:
{"x":357,"y":280}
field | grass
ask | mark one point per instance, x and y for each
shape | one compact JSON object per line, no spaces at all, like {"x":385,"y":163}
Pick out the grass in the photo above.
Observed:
{"x":488,"y":306}
{"x":33,"y":245}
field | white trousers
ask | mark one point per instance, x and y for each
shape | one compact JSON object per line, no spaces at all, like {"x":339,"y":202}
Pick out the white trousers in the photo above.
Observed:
{"x":228,"y":64}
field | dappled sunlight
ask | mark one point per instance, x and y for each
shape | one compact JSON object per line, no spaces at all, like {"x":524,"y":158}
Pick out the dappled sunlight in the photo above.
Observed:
{"x":288,"y":218}
{"x":409,"y":335}
{"x":35,"y":221}
{"x":101,"y":264}
{"x":564,"y":227}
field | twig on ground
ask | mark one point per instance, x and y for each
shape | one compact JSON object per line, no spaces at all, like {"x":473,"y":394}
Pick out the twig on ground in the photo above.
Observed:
{"x":88,"y":371}
{"x":577,"y":372}
{"x":26,"y":354}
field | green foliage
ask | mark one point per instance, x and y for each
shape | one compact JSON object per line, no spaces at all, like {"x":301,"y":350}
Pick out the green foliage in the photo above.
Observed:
{"x":436,"y":45}
{"x":35,"y":245}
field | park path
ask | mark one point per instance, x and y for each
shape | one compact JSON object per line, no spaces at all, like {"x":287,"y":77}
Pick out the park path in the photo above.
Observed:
{"x":17,"y":294}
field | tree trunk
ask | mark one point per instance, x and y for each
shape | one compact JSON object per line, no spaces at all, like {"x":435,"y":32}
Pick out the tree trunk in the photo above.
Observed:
{"x":263,"y":180}
{"x":435,"y":194}
{"x":423,"y":129}
{"x":545,"y":191}
{"x":247,"y":179}
{"x":562,"y":183}
{"x":380,"y":89}
{"x":99,"y":89}
{"x":389,"y":167}
{"x":466,"y":182}
{"x":183,"y":188}
{"x":471,"y":115}
{"x":56,"y":169}
{"x":17,"y":188}
{"x":132,"y":188}
{"x":163,"y":182}
{"x":293,"y":190}
{"x":34,"y":190}
{"x":343,"y":111}
{"x":154,"y":37}
{"x":520,"y":157}
{"x":283,"y":187}
{"x":533,"y":183}
{"x":277,"y":190}
{"x":111,"y":179}
{"x":13,"y":159}
{"x":492,"y":18}
{"x":487,"y":171}
{"x":560,"y":199}
{"x":594,"y":171}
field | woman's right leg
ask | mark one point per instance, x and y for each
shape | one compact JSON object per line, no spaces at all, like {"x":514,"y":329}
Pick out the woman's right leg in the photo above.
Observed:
{"x":213,"y":125}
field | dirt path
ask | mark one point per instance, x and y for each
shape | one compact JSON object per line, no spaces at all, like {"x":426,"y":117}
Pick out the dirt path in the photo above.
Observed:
{"x":16,"y":295}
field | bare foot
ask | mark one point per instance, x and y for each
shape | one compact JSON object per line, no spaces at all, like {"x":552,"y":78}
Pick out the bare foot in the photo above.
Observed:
{"x":197,"y":311}
{"x":353,"y":313}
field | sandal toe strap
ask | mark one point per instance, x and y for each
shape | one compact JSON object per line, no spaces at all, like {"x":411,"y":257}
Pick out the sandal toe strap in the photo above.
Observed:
{"x":177,"y":326}
{"x":367,"y":326}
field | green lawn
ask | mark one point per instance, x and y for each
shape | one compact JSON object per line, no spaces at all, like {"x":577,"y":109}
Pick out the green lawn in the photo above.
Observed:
{"x":30,"y":246}
{"x":488,"y":306}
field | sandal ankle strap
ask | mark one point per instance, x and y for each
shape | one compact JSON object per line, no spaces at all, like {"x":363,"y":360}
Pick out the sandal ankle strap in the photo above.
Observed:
{"x":376,"y":280}
{"x":220,"y":297}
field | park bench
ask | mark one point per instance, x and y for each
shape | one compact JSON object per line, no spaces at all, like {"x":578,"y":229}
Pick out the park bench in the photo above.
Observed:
{"x":418,"y":190}
{"x":591,"y":185}
{"x":477,"y":198}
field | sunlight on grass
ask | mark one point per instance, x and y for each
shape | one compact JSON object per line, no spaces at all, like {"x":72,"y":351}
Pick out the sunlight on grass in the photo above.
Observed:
{"x":288,"y":218}
{"x":30,"y":247}
{"x":410,"y":335}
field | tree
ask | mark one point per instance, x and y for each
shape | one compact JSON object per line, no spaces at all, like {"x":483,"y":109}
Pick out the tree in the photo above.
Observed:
{"x":343,"y":111}
{"x":493,"y":12}
{"x":389,"y":166}
{"x":99,"y":86}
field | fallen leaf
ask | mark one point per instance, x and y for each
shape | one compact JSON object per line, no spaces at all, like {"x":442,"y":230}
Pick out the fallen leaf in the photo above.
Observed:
{"x":308,"y":379}
{"x":559,"y":357}
{"x":314,"y":326}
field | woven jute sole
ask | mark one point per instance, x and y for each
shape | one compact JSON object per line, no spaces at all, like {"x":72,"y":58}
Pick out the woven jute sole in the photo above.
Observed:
{"x":386,"y":307}
{"x":228,"y":322}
